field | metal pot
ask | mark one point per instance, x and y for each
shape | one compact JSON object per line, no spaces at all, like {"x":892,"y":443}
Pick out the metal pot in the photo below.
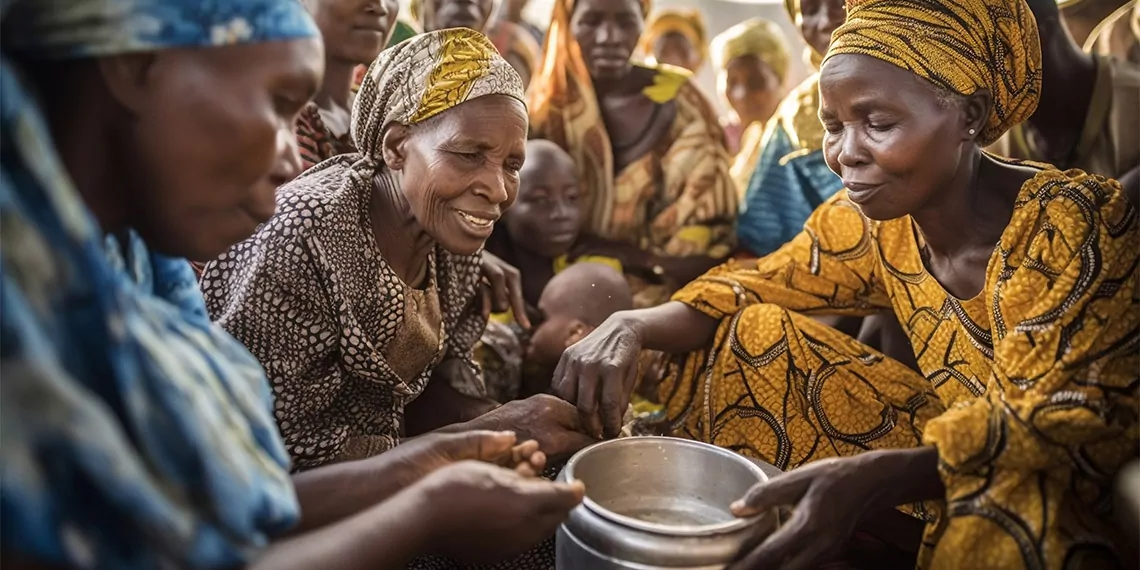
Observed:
{"x":658,"y":503}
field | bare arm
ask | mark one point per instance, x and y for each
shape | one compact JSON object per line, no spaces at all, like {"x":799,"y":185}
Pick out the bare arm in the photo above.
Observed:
{"x":385,"y":536}
{"x":674,"y":328}
{"x":336,"y":492}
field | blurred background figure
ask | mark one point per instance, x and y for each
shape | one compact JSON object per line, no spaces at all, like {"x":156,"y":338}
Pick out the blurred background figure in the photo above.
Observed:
{"x":517,"y":45}
{"x":433,"y":15}
{"x":1118,"y":34}
{"x":1089,"y":109}
{"x":513,"y":11}
{"x":676,"y":37}
{"x":1082,"y":17}
{"x":751,"y":62}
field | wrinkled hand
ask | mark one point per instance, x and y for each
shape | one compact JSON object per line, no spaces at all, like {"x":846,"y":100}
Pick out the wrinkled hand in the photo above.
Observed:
{"x":421,"y":456}
{"x":598,"y":374}
{"x":483,"y":513}
{"x":502,"y":289}
{"x":829,"y":498}
{"x":551,"y":422}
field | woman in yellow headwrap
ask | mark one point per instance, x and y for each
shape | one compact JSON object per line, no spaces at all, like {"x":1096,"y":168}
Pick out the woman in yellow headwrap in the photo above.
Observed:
{"x":1015,"y":282}
{"x":676,"y":37}
{"x":365,"y":284}
{"x":650,"y":153}
{"x":751,"y":60}
{"x":790,"y":177}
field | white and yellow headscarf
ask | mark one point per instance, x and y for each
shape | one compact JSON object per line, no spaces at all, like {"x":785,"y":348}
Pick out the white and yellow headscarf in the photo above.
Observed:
{"x":425,"y":76}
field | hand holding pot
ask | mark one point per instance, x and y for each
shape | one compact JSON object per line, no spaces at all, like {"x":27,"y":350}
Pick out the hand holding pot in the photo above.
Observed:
{"x":482,"y":513}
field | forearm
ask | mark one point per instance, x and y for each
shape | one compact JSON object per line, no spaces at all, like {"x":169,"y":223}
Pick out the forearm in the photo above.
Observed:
{"x":333,"y":493}
{"x":908,"y":475}
{"x":385,"y":536}
{"x":674,"y":327}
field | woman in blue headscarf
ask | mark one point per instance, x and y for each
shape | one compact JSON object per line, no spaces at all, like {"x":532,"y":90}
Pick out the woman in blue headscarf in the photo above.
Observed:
{"x":134,"y":433}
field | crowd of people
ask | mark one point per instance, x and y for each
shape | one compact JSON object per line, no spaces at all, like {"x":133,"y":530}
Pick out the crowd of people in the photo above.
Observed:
{"x":302,"y":283}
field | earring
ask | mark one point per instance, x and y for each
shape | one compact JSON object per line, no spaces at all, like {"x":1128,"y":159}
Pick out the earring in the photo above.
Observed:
{"x":973,"y":131}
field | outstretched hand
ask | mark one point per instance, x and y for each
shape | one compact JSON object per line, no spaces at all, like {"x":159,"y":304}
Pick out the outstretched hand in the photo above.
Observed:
{"x":829,"y":499}
{"x":598,"y":374}
{"x":423,"y":455}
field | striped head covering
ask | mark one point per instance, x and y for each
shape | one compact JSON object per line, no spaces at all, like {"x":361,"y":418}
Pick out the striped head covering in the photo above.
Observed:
{"x":959,"y":45}
{"x":758,"y":37}
{"x":689,"y":22}
{"x":136,"y":433}
{"x":425,"y":76}
{"x":63,"y":29}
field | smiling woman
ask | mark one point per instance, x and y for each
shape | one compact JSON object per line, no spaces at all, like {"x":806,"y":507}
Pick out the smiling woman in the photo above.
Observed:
{"x":1015,"y":284}
{"x":366,"y":280}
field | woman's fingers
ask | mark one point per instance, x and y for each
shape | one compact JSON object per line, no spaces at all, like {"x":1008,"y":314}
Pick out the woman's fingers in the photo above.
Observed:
{"x":481,"y":445}
{"x":564,"y":383}
{"x":587,"y":401}
{"x":498,"y":282}
{"x":614,"y":397}
{"x":783,"y":490}
{"x":786,"y":542}
{"x":522,"y":452}
{"x":515,"y":297}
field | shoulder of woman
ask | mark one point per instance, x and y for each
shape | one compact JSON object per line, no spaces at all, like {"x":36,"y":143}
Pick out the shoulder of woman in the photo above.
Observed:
{"x":1072,"y":206}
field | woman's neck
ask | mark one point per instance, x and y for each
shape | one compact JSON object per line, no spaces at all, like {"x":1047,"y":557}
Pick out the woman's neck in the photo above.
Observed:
{"x":972,"y":211}
{"x":402,"y":241}
{"x":337,"y":86}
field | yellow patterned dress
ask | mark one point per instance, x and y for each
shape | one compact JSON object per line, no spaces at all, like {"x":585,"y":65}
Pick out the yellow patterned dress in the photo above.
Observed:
{"x":678,"y":199}
{"x":1028,"y":390}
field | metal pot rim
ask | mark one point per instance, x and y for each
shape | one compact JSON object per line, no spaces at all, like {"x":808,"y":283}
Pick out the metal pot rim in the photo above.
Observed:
{"x":662,"y":529}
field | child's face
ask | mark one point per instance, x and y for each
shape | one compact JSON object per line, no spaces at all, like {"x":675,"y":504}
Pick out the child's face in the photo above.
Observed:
{"x":546,"y":217}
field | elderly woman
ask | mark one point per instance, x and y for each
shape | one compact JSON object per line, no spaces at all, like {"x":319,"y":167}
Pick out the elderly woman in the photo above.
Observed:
{"x":649,"y":150}
{"x":676,"y":37}
{"x":791,"y":178}
{"x":365,"y":284}
{"x":751,"y":60}
{"x":137,"y":434}
{"x":1016,"y":284}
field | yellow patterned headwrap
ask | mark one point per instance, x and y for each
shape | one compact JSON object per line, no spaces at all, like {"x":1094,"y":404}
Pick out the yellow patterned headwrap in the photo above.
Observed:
{"x":960,"y":45}
{"x":687,"y":22}
{"x":424,"y":76}
{"x":758,"y":37}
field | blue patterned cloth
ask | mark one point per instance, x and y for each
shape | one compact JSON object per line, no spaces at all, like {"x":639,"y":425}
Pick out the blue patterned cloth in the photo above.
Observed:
{"x":786,"y":187}
{"x":134,"y":433}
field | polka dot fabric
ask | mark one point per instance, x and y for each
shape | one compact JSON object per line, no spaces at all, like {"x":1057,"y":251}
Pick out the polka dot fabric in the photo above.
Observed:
{"x":312,"y":298}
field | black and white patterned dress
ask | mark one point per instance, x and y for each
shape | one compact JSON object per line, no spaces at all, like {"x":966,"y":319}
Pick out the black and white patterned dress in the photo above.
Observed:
{"x":312,"y":298}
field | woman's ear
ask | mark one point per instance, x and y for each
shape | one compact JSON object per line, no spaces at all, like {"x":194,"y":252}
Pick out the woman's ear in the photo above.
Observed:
{"x":393,"y":147}
{"x":975,"y":112}
{"x":126,"y":78}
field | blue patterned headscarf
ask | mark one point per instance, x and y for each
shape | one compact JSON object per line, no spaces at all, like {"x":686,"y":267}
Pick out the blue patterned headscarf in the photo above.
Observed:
{"x":134,"y":433}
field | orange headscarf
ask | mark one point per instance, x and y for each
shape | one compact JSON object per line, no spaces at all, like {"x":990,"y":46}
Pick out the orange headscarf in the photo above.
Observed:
{"x":564,"y":109}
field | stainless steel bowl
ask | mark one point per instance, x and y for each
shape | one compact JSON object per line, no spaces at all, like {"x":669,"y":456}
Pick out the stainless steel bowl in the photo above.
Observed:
{"x":657,"y":502}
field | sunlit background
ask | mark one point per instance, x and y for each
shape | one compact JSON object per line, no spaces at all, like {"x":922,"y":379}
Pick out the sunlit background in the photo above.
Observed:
{"x":719,"y":16}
